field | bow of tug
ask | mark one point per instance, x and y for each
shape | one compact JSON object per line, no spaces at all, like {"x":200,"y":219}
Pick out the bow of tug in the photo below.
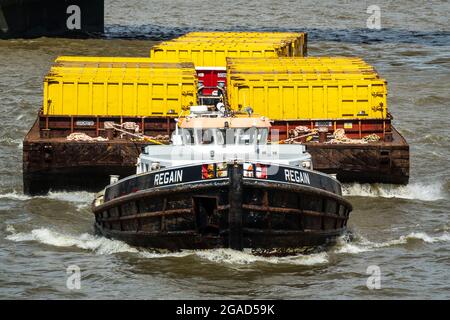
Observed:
{"x":223,"y":205}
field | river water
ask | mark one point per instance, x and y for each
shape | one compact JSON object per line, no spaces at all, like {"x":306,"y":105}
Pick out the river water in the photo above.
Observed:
{"x":404,"y":231}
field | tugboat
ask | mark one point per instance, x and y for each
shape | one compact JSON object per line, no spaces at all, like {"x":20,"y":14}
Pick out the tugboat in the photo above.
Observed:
{"x":222,"y":184}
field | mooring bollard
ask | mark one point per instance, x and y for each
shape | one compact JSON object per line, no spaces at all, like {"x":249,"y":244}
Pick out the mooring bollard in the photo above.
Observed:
{"x":323,"y":132}
{"x":113,"y":178}
{"x":45,"y":133}
{"x":109,"y":133}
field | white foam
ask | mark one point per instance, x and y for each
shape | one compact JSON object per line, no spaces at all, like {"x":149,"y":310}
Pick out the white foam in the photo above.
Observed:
{"x":233,"y":257}
{"x":10,"y":229}
{"x":11,"y":141}
{"x":157,"y":255}
{"x":76,"y":196}
{"x":15,"y":196}
{"x":82,"y":199}
{"x":352,"y":248}
{"x":443,"y":228}
{"x":414,"y":191}
{"x":99,"y":245}
{"x":362,"y":244}
{"x":428,"y":239}
{"x":357,"y":245}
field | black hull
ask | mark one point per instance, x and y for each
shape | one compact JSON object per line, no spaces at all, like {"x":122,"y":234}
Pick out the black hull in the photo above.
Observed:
{"x":254,"y":239}
{"x":235,"y":212}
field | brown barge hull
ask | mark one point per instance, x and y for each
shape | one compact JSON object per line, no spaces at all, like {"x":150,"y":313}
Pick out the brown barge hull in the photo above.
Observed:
{"x":57,"y":164}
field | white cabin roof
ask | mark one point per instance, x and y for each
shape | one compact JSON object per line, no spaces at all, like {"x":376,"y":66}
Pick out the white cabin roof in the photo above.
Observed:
{"x":224,"y":122}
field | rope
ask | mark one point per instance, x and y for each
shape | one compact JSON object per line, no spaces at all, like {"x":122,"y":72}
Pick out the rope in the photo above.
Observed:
{"x":298,"y":133}
{"x":159,"y":139}
{"x":372,"y":138}
{"x":339,"y":136}
{"x":80,"y":136}
{"x":131,"y":126}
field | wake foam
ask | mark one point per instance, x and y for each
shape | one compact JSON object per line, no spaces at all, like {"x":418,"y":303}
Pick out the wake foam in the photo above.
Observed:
{"x":230,"y":256}
{"x":101,"y":246}
{"x":15,"y":196}
{"x":158,"y":255}
{"x":361,"y":244}
{"x":76,"y":196}
{"x":11,"y":142}
{"x":414,"y":191}
{"x":445,"y":237}
{"x":81,"y":199}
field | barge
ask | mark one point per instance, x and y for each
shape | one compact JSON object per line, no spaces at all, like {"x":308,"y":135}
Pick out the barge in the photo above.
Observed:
{"x":310,"y":99}
{"x":222,"y":184}
{"x":47,"y":18}
{"x":51,"y":162}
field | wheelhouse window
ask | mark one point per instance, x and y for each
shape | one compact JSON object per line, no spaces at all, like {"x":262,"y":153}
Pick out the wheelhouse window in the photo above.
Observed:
{"x":229,"y":136}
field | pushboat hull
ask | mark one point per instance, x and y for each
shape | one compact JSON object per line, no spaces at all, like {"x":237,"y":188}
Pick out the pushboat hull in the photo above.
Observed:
{"x":224,"y":208}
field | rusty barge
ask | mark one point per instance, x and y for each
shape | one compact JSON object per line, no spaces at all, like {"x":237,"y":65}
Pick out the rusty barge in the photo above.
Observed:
{"x":266,"y":72}
{"x":51,"y":162}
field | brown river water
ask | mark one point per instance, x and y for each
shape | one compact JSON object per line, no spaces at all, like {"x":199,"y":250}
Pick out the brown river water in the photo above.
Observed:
{"x":403,"y":230}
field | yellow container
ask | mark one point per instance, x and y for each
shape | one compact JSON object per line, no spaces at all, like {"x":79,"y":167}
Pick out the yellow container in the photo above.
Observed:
{"x":204,"y":55}
{"x":328,"y":68}
{"x":311,"y":76}
{"x":235,"y":34}
{"x":129,"y":90}
{"x":62,"y":59}
{"x":210,"y":49}
{"x":301,"y":70}
{"x":294,"y":46}
{"x":311,"y":99}
{"x":114,"y":64}
{"x":298,"y":40}
{"x":124,"y":72}
{"x":310,"y":88}
{"x":290,"y":62}
{"x":311,"y":70}
{"x":297,"y":63}
{"x":285,"y":47}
